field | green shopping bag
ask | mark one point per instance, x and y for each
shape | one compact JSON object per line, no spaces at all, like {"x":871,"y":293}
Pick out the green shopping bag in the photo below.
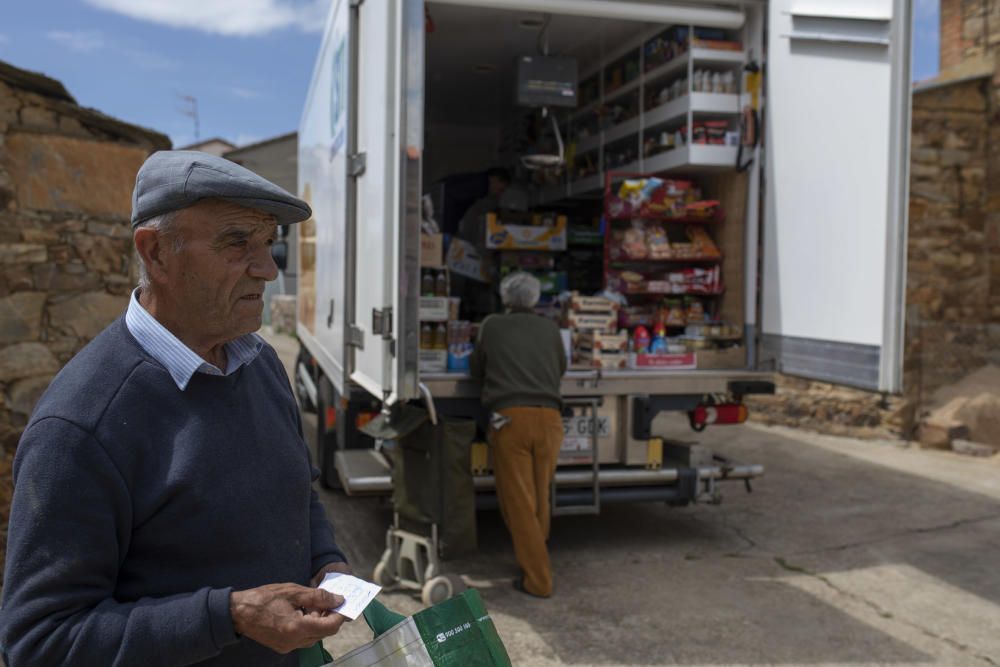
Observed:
{"x":454,"y":633}
{"x":314,"y":656}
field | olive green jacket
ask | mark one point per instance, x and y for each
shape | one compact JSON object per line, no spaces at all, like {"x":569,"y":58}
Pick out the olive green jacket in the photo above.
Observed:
{"x":520,"y":359}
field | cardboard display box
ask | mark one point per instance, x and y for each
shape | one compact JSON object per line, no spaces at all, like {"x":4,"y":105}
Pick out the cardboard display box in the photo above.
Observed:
{"x":501,"y":236}
{"x":432,"y":251}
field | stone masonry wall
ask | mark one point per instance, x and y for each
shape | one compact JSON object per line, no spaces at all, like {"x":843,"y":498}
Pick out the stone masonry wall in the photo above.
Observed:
{"x":953,"y":274}
{"x":66,"y":259}
{"x":953,"y":317}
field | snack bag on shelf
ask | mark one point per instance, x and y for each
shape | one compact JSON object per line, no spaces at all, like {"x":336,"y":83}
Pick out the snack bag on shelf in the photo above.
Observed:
{"x":674,"y":314}
{"x":634,"y":243}
{"x":656,"y":240}
{"x":695,"y":310}
{"x":703,"y":244}
{"x":701,"y":208}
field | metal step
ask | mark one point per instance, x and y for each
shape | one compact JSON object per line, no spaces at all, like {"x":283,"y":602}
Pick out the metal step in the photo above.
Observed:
{"x":363,"y":471}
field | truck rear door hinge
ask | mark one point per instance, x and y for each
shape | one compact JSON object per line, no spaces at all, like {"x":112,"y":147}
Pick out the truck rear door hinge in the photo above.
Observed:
{"x":355,"y":337}
{"x":356,"y":164}
{"x":382,"y":322}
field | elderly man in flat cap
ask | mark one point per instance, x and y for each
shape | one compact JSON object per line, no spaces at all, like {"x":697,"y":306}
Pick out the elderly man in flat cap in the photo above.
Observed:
{"x":163,"y":510}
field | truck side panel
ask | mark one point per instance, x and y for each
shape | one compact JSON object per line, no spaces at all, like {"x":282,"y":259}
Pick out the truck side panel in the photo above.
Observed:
{"x":323,"y":182}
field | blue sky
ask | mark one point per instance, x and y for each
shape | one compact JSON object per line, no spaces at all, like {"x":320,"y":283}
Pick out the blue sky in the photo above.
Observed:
{"x":247,"y":62}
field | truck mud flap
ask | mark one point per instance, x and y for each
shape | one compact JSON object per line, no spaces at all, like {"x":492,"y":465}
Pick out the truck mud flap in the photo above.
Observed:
{"x":687,"y":485}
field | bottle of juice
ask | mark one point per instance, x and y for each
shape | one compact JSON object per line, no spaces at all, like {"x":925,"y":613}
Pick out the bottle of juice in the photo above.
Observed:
{"x":441,"y":283}
{"x":427,"y":283}
{"x":441,"y":337}
{"x":427,"y":336}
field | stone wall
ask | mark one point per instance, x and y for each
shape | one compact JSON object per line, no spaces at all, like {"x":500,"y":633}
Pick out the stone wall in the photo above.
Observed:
{"x":66,"y":258}
{"x":953,"y":265}
{"x":965,"y":30}
{"x":953,"y":300}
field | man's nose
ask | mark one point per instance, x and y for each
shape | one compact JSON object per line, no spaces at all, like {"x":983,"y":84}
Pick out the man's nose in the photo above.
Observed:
{"x":262,"y":265}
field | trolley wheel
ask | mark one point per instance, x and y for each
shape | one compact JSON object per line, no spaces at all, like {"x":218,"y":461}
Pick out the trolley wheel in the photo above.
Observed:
{"x":436,"y":590}
{"x":382,"y":576}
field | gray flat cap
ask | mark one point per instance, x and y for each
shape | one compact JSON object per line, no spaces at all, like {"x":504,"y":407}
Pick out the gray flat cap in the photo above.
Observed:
{"x":172,"y":180}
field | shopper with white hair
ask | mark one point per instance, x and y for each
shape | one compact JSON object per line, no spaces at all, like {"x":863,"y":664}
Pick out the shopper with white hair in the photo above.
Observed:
{"x":520,"y":360}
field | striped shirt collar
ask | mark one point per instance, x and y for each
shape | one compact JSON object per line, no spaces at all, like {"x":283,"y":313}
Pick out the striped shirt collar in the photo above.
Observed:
{"x":180,"y":360}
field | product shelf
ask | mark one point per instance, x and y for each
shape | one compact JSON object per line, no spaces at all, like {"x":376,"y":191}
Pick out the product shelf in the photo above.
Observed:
{"x":621,"y":130}
{"x":673,"y":66}
{"x":717,"y":56}
{"x":716,"y":219}
{"x":667,"y":260}
{"x":723,"y":104}
{"x":718,"y":292}
{"x":623,"y":89}
{"x":692,"y":156}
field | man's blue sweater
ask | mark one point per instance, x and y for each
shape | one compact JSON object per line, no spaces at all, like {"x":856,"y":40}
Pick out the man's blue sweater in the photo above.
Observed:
{"x":138,"y":508}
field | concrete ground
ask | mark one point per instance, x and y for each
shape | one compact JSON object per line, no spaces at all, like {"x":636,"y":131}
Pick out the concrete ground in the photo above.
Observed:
{"x":846,"y":553}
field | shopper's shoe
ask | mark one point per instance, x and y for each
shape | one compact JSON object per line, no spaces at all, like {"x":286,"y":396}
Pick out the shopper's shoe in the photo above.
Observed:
{"x":519,"y":586}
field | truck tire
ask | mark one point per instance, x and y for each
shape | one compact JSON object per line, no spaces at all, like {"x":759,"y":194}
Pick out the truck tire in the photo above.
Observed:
{"x":326,"y":438}
{"x":305,"y":403}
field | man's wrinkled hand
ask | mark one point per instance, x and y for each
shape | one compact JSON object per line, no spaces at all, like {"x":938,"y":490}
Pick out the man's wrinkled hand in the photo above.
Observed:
{"x":285,"y":617}
{"x":342,"y":568}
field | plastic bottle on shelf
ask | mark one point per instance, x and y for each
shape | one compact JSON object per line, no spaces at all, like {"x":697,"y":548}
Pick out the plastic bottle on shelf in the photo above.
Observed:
{"x":427,"y":283}
{"x":441,"y":337}
{"x":427,"y":336}
{"x":441,"y":283}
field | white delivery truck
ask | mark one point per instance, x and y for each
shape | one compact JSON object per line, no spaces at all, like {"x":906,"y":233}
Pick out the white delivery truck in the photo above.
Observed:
{"x":810,"y":169}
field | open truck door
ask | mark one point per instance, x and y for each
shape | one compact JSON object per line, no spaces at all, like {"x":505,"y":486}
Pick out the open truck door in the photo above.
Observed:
{"x":323,"y":182}
{"x":385,"y":169}
{"x":834,"y":233}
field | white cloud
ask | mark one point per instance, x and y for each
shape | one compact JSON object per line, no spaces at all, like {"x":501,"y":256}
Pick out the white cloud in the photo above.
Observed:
{"x":83,"y":41}
{"x":244,"y":93}
{"x":224,"y":17}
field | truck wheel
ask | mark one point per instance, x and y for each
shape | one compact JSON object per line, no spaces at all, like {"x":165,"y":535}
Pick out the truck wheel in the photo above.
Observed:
{"x":305,"y":403}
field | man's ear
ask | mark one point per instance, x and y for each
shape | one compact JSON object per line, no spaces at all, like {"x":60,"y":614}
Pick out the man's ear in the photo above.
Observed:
{"x":152,"y":247}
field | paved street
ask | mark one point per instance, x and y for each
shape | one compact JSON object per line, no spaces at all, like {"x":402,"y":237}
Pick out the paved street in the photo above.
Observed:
{"x":846,"y":553}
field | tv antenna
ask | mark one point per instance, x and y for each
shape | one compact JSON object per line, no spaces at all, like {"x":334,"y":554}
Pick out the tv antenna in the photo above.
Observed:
{"x":190,"y":109}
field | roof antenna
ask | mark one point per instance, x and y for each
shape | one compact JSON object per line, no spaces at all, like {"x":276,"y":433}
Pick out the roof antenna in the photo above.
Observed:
{"x":191,"y":111}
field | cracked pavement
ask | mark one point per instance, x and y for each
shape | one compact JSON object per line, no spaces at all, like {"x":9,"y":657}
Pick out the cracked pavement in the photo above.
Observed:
{"x":846,"y":553}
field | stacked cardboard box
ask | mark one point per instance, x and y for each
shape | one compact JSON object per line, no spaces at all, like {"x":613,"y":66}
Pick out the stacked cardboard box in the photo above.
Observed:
{"x":594,"y":325}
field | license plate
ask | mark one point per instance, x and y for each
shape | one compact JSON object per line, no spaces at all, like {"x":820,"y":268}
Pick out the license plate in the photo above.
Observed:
{"x":578,"y":432}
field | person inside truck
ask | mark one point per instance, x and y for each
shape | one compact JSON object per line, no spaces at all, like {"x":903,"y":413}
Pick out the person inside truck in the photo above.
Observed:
{"x":472,"y":226}
{"x":520,"y":360}
{"x":163,"y":508}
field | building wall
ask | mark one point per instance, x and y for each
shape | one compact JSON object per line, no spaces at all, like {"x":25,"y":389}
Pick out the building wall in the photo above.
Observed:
{"x":66,"y":257}
{"x":277,"y":161}
{"x":953,"y":316}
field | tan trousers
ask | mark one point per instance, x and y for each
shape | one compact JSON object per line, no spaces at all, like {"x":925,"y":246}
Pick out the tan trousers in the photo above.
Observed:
{"x":525,"y":453}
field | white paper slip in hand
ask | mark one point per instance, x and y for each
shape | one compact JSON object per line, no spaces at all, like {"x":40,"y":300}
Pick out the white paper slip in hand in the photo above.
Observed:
{"x":357,"y":593}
